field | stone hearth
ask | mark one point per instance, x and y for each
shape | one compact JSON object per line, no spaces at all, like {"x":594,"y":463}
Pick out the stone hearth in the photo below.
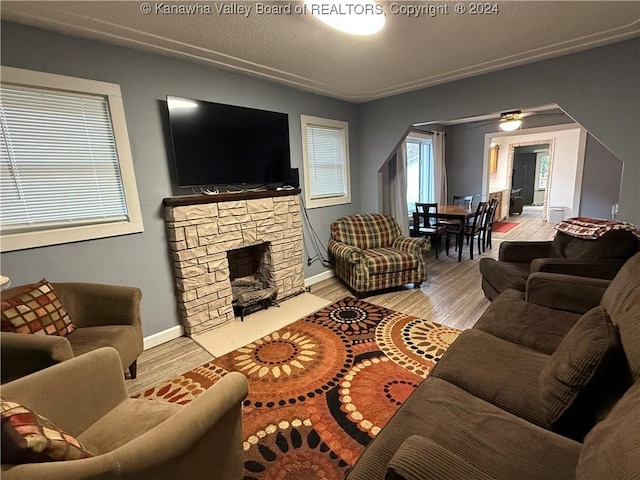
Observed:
{"x":201,"y":234}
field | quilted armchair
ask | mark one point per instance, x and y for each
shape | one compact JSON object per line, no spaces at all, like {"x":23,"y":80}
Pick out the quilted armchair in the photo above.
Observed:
{"x":371,"y":254}
{"x":101,"y":316}
{"x":110,"y":436}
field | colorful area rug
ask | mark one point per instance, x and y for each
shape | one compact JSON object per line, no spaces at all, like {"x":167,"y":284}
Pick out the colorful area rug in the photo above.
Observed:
{"x":321,"y":388}
{"x":504,"y":227}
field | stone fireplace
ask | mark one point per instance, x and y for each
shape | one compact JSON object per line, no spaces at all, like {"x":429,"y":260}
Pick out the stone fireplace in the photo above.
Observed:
{"x":208,"y":233}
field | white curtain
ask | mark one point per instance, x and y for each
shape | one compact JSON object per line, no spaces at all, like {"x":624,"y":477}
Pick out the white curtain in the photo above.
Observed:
{"x":440,"y":172}
{"x":392,"y":179}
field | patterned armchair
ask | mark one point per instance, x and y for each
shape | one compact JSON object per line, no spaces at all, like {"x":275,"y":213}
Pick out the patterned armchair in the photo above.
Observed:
{"x":370,"y":253}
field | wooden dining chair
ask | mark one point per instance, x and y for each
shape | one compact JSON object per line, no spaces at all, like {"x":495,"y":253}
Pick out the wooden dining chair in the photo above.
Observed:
{"x":487,"y":224}
{"x":463,"y":200}
{"x":470,"y":230}
{"x":425,"y":224}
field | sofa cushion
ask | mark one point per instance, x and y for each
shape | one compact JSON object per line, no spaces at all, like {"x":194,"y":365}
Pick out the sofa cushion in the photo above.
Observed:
{"x":127,"y":421}
{"x":37,"y":309}
{"x":584,"y":376}
{"x":628,"y":324}
{"x":611,"y":449}
{"x":504,"y":275}
{"x":613,"y":244}
{"x":511,"y":318}
{"x":370,"y":230}
{"x":31,"y":438}
{"x":495,"y":442}
{"x":388,"y":260}
{"x":500,"y":372}
{"x":624,"y":291}
{"x":124,"y":338}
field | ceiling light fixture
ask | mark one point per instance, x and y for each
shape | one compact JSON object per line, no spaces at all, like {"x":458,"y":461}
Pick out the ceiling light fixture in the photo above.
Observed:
{"x":510,"y":121}
{"x":357,"y":17}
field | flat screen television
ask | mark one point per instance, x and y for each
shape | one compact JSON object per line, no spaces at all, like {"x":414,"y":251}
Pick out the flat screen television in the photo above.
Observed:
{"x":218,"y":145}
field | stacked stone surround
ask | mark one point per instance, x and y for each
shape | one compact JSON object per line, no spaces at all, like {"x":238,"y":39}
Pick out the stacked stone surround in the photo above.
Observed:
{"x":200,"y":235}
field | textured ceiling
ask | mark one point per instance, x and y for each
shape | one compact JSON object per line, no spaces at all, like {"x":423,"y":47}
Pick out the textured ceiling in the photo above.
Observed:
{"x":297,"y":50}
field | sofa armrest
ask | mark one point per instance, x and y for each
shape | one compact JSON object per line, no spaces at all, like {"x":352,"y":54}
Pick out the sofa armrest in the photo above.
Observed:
{"x":565,"y":292}
{"x":419,"y":458}
{"x":73,"y":394}
{"x":93,"y":304}
{"x":415,"y":246}
{"x":201,"y":441}
{"x":524,"y":252}
{"x":584,"y":267}
{"x":24,"y":353}
{"x":347,"y":253}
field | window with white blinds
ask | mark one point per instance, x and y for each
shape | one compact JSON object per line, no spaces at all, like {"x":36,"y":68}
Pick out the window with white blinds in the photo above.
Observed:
{"x":60,"y":163}
{"x":325,"y":152}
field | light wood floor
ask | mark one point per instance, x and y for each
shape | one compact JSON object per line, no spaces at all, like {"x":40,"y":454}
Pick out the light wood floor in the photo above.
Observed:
{"x":451,"y":296}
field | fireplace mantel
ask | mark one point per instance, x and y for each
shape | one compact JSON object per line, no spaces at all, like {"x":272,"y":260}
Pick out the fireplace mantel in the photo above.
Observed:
{"x":225,"y":197}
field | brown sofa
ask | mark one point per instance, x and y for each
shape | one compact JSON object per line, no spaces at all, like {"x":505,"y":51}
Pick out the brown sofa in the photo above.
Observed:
{"x":482,"y":412}
{"x":131,"y":439}
{"x":103,"y":316}
{"x":601,"y":258}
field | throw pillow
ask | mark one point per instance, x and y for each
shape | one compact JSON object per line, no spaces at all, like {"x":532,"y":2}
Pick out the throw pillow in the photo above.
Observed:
{"x":584,"y":377}
{"x":36,"y":310}
{"x":30,"y":438}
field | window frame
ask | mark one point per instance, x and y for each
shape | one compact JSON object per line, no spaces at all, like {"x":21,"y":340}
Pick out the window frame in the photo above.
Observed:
{"x":19,"y":77}
{"x":343,"y":127}
{"x":422,"y":141}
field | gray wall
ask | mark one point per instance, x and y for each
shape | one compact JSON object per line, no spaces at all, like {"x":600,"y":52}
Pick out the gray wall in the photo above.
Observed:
{"x":143,"y":259}
{"x":600,"y":180}
{"x":465,"y":151}
{"x":598,"y":88}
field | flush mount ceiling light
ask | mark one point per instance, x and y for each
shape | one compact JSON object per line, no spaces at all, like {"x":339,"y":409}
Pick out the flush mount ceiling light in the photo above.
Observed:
{"x":510,"y":121}
{"x":357,"y":17}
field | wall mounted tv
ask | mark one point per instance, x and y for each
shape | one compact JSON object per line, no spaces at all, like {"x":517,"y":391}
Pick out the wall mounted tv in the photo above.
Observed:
{"x":226,"y":145}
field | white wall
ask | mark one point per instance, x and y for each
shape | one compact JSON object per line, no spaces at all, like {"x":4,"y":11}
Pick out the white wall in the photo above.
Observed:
{"x":567,"y":162}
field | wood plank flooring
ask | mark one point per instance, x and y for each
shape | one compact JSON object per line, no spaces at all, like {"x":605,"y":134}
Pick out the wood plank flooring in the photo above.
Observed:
{"x":451,"y":296}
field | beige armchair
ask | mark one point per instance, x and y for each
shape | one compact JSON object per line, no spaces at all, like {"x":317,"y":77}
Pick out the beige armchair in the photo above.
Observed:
{"x":103,"y":316}
{"x":131,"y":439}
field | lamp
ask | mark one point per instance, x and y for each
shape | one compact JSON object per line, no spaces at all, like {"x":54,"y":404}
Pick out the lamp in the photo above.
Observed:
{"x":357,"y":17}
{"x":510,"y":121}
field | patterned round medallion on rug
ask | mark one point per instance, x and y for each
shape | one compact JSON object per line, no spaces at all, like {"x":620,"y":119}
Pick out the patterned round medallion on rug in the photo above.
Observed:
{"x":291,"y":365}
{"x":292,"y":450}
{"x":353,"y":317}
{"x":414,"y":343}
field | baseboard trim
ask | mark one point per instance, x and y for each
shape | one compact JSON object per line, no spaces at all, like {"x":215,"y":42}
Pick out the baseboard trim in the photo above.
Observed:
{"x":162,"y":337}
{"x":318,"y":278}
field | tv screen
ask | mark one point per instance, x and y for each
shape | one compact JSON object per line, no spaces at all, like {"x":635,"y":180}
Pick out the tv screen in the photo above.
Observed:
{"x":226,"y":145}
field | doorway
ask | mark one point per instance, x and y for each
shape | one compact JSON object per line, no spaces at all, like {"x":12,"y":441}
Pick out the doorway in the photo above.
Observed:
{"x":530,"y":172}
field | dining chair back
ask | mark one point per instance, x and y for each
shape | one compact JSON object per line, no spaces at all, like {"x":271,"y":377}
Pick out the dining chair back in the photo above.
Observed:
{"x":470,"y":231}
{"x":487,"y":225}
{"x":463,"y":200}
{"x":425,"y":224}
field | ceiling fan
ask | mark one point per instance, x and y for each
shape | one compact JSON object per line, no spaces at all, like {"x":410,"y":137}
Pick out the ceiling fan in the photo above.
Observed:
{"x":512,"y":120}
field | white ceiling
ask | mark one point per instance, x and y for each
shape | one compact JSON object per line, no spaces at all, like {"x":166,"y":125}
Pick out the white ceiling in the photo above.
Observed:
{"x":297,"y":50}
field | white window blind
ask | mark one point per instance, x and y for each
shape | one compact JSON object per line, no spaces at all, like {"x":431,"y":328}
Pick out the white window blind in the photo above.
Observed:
{"x":58,"y":161}
{"x":326,"y":162}
{"x":325,"y":154}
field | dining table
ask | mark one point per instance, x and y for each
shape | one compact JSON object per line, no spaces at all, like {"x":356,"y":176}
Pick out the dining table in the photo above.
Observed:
{"x":456,"y":212}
